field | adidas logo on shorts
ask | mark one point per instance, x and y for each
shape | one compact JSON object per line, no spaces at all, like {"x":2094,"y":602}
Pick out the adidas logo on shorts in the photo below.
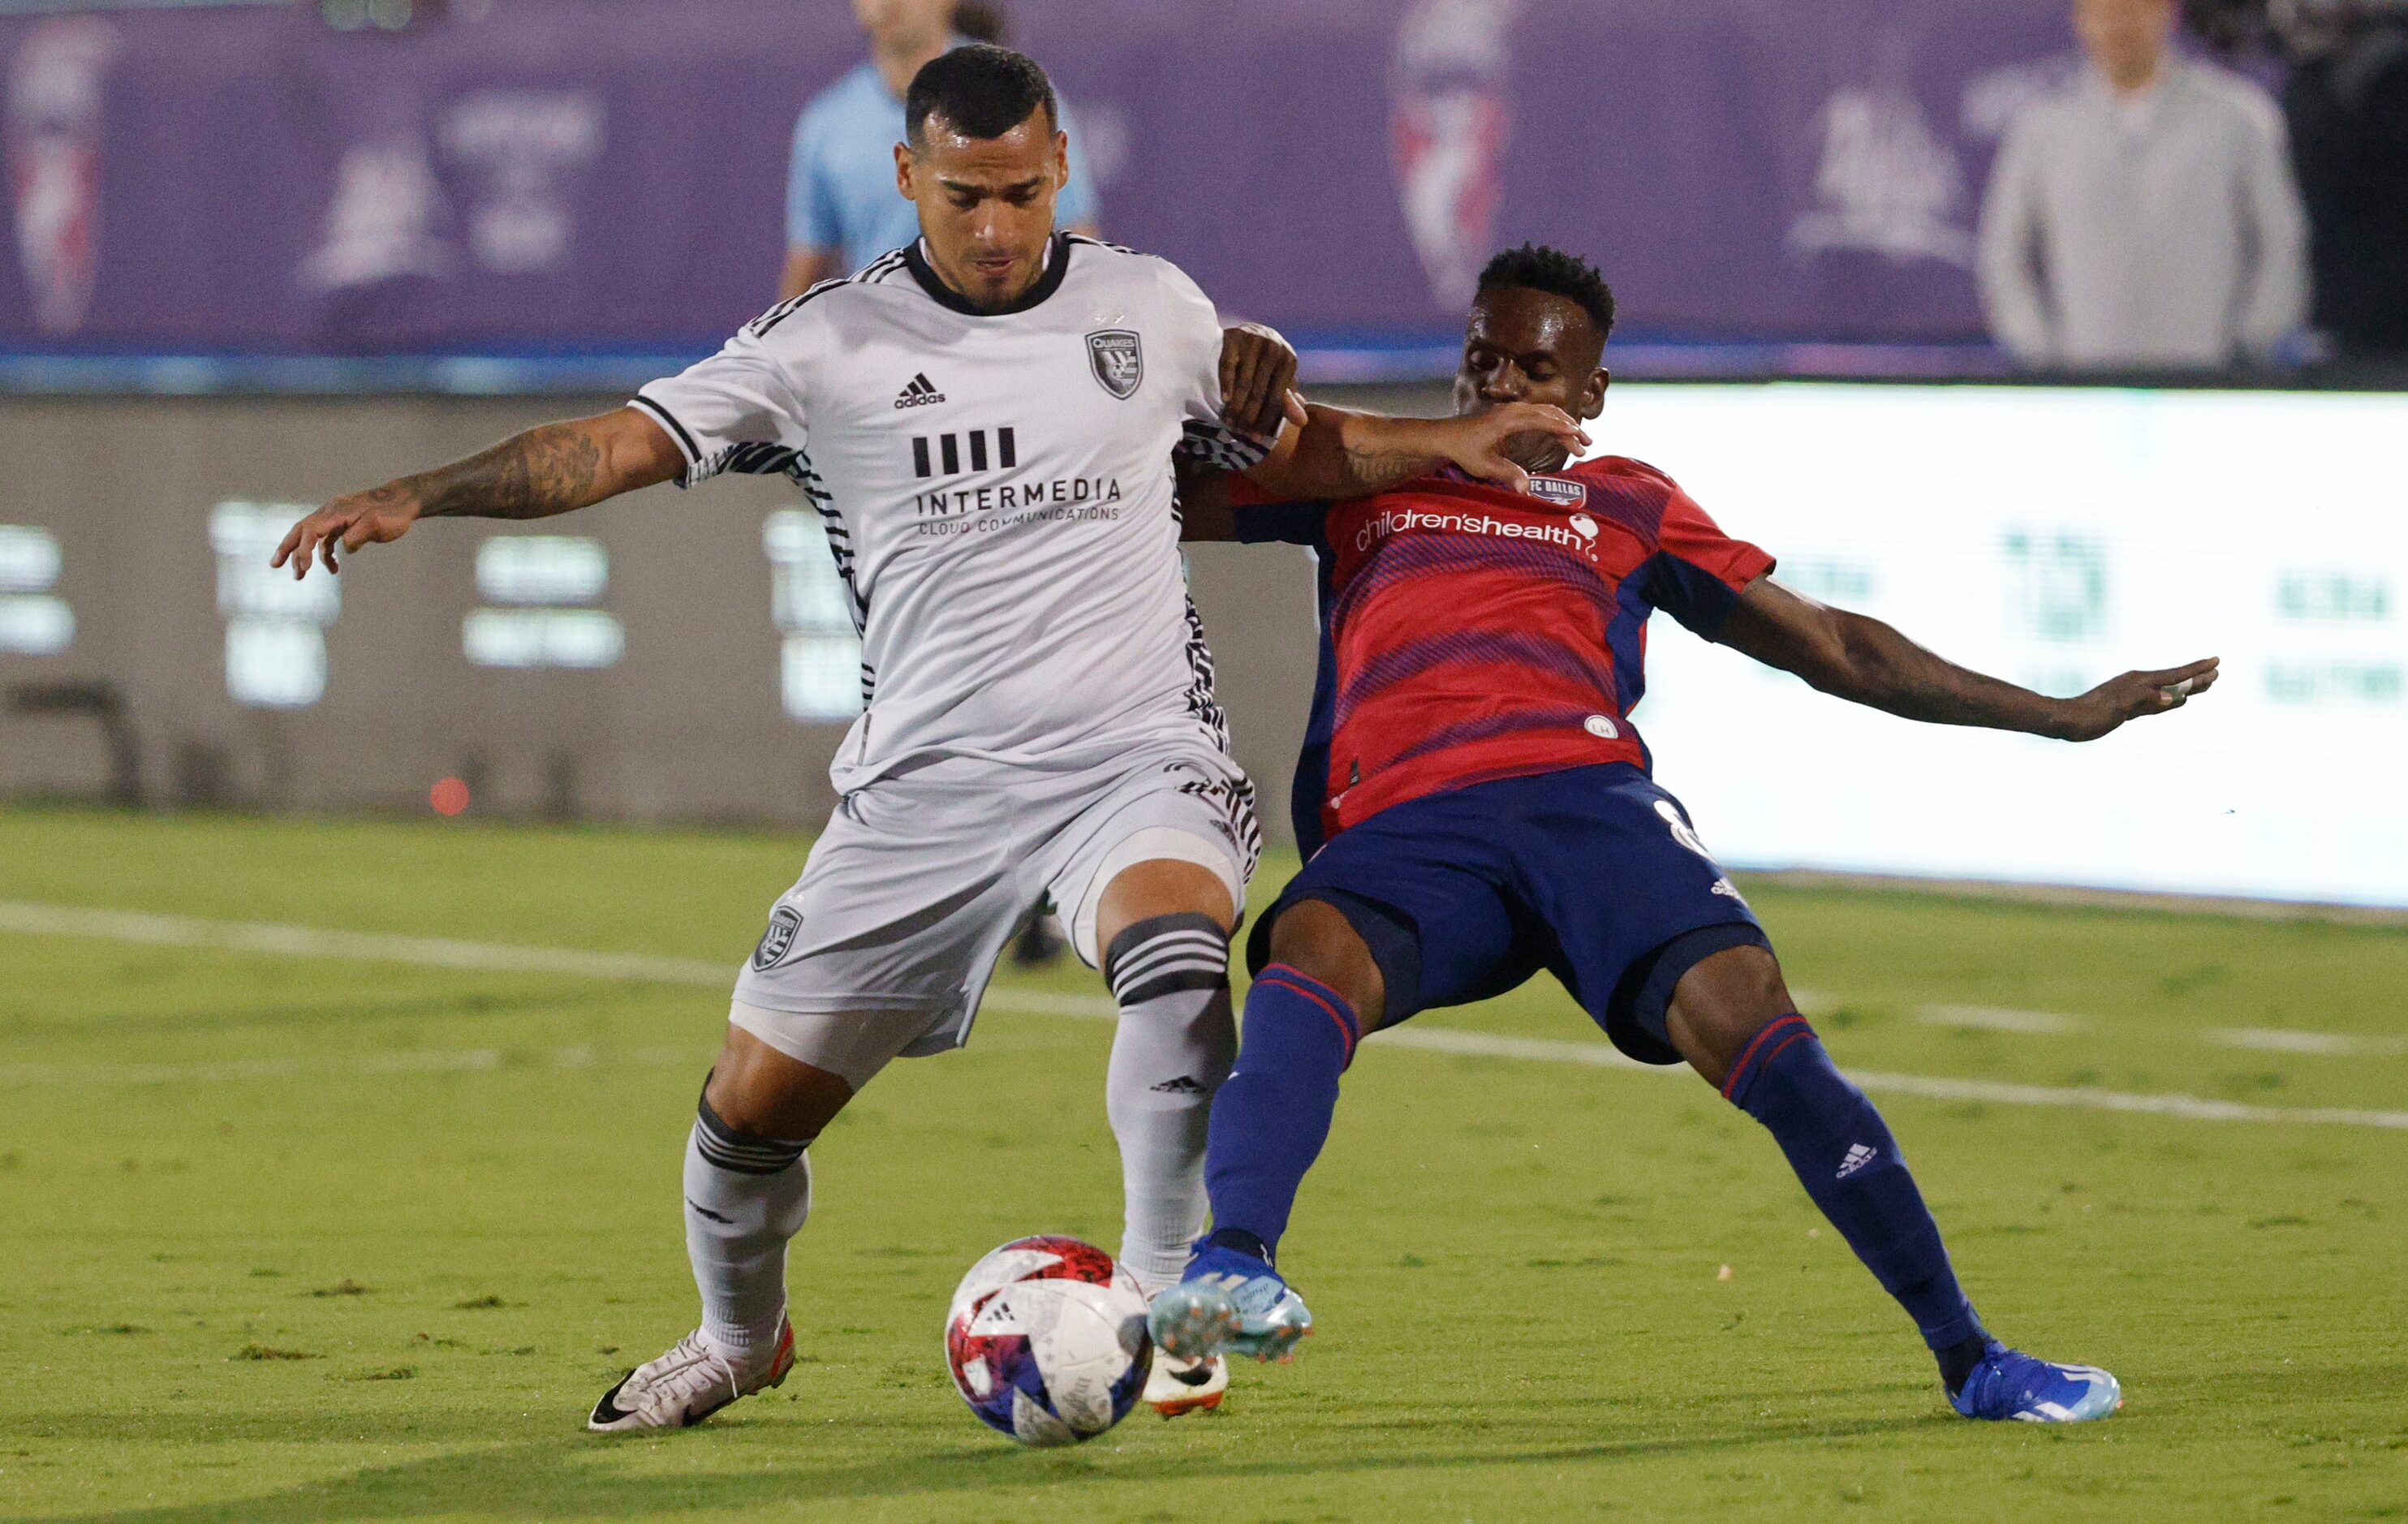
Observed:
{"x":1858,"y":1156}
{"x":920,"y":393}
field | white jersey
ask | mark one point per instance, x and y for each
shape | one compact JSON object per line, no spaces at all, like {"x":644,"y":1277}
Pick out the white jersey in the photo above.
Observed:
{"x":998,"y":492}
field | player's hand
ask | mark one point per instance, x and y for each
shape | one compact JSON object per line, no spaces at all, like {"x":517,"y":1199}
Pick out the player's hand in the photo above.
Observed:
{"x":2133,"y":696}
{"x":347,"y":523}
{"x":1504,"y":443}
{"x":1257,"y":381}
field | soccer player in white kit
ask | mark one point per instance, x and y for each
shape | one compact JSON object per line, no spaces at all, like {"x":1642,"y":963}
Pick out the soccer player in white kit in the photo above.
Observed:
{"x":988,"y":423}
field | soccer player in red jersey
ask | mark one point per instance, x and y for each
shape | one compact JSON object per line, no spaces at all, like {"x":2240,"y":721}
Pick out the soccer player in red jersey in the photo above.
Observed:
{"x":1476,"y":806}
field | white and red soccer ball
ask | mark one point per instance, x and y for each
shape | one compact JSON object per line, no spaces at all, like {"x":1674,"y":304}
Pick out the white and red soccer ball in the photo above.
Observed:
{"x":1047,"y":1340}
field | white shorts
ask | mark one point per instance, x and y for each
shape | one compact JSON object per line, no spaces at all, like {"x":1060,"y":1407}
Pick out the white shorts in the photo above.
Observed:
{"x":916,"y":887}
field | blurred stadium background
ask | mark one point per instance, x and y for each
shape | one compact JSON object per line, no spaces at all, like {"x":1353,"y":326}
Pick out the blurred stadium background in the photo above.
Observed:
{"x":260,"y":252}
{"x":263,"y":252}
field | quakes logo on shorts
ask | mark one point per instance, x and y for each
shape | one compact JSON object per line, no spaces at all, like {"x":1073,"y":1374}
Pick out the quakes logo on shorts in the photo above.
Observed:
{"x":1118,"y":361}
{"x":779,"y":940}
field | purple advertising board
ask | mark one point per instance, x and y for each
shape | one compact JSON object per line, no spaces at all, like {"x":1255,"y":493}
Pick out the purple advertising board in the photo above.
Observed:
{"x":607,"y":175}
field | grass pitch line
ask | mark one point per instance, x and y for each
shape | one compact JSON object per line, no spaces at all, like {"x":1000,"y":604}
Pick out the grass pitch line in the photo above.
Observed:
{"x":426,"y":1060}
{"x":2282,"y":1040}
{"x":1930,"y":1087}
{"x":2193,"y":1107}
{"x":1998,"y":1019}
{"x":434,"y":952}
{"x":353,"y":947}
{"x":441,"y":952}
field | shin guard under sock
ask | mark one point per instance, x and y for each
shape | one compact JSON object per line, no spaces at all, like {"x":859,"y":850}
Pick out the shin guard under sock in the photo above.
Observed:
{"x":1849,"y":1163}
{"x":1273,"y":1112}
{"x":745,"y":1197}
{"x":1170,"y":977}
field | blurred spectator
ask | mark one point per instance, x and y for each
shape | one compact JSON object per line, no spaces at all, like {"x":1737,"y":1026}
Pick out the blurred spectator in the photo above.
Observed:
{"x":842,"y":210}
{"x":2143,"y":216}
{"x":980,"y":22}
{"x":2347,"y":103}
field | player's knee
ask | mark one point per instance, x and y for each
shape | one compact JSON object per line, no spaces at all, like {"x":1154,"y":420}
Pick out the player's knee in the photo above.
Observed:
{"x":1316,"y":938}
{"x":1161,"y":887}
{"x":1720,"y":1004}
{"x":755,"y":1090}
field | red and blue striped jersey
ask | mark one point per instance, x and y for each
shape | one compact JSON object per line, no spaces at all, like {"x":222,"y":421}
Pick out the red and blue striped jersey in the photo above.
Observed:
{"x":1472,"y":632}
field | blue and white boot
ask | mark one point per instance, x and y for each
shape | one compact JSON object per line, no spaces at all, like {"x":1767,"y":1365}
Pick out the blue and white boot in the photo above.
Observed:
{"x":1229,"y":1303}
{"x":2009,"y":1384}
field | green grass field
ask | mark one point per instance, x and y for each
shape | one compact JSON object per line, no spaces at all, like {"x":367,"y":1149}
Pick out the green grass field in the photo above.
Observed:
{"x":290,"y":1238}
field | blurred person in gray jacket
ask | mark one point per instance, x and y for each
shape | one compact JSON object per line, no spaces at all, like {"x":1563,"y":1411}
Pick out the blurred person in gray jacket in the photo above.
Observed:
{"x":2143,"y":216}
{"x":842,"y":207}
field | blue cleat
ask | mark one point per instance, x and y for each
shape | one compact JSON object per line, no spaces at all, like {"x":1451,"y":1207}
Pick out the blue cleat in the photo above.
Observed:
{"x":2009,"y":1384}
{"x":1229,"y":1303}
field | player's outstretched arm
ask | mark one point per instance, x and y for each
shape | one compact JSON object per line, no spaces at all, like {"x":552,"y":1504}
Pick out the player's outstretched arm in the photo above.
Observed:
{"x":1330,"y":453}
{"x":1338,"y":454}
{"x":552,"y":468}
{"x":1853,"y":656}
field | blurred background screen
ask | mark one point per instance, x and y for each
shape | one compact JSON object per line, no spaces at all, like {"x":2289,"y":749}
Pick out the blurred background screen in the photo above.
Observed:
{"x":258,"y":253}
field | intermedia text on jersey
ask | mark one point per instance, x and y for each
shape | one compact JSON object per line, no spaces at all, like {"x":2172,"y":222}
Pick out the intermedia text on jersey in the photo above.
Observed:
{"x":1076,"y":497}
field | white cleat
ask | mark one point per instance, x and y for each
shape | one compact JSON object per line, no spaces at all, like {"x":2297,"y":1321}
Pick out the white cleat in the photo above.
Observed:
{"x":1185,"y":1386}
{"x":687,"y":1385}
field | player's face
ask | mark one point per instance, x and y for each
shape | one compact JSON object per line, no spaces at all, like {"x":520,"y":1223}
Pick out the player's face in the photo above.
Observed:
{"x":2126,"y":38}
{"x":986,"y":204}
{"x":904,"y":24}
{"x":1530,"y":346}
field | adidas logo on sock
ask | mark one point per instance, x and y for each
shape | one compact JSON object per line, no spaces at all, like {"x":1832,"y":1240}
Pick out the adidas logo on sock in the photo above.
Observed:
{"x":1181,"y":1086}
{"x":1858,"y":1156}
{"x":920,"y":393}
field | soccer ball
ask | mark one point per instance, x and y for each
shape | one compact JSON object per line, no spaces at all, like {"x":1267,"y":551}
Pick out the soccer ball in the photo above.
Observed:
{"x":1047,"y":1340}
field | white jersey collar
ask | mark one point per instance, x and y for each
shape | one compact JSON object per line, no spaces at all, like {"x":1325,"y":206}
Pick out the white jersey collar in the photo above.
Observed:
{"x":1049,"y":280}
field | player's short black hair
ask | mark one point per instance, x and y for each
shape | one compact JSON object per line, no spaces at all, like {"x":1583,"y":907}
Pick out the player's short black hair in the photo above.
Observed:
{"x":1538,"y":267}
{"x":982,"y":89}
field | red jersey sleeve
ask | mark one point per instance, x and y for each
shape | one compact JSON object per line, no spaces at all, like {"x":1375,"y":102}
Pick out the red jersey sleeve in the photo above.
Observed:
{"x":1698,"y":572}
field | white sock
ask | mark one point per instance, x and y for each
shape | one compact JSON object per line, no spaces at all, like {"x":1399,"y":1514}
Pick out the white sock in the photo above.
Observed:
{"x":1174,"y":1045}
{"x":744,"y":1197}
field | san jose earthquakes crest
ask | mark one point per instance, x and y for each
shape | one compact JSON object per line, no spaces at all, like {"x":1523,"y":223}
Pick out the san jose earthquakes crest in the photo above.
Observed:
{"x":779,"y":940}
{"x":1117,"y":360}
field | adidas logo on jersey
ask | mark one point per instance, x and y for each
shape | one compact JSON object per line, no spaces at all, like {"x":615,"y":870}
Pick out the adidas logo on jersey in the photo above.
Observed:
{"x":920,"y":393}
{"x":1184,"y":1085}
{"x":1858,"y":1156}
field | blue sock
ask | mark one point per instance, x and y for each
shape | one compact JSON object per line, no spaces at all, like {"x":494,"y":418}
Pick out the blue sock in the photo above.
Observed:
{"x":1272,"y":1116}
{"x":1849,"y":1163}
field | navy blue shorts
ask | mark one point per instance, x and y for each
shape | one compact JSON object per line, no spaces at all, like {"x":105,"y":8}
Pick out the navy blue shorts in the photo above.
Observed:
{"x":1593,"y":873}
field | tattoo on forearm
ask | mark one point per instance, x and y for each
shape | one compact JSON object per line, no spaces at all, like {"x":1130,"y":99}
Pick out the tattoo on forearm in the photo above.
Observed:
{"x":541,"y":471}
{"x":1375,"y":467}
